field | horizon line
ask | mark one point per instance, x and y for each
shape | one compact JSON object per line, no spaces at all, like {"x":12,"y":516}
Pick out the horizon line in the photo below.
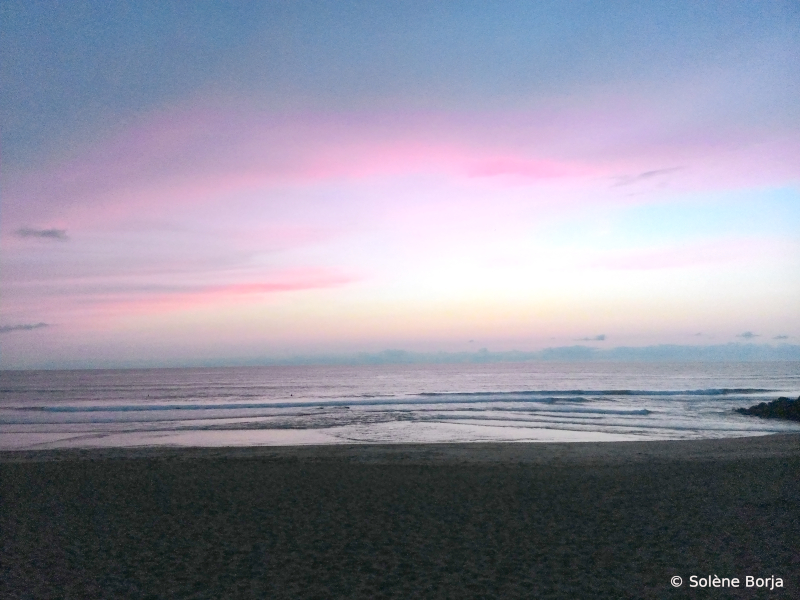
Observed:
{"x":728,"y":352}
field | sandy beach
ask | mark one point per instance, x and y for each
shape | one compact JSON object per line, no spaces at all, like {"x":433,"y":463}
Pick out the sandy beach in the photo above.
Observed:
{"x":582,"y":520}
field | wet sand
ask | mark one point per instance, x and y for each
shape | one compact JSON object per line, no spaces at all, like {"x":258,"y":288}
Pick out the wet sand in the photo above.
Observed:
{"x":581,"y":520}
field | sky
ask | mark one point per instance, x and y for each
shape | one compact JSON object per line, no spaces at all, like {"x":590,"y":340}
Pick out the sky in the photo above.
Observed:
{"x":187,"y":183}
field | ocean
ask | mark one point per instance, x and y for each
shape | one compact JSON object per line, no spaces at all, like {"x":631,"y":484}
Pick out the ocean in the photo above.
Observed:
{"x":482,"y":402}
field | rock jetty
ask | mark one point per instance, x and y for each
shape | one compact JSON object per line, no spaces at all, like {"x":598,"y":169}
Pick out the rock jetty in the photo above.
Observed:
{"x":782,"y":408}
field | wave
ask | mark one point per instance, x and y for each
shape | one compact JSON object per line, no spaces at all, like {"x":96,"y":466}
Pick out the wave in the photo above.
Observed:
{"x":707,"y":392}
{"x":426,"y":398}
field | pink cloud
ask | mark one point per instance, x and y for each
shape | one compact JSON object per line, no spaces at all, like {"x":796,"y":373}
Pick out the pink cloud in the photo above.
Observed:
{"x":296,"y":280}
{"x":193,"y":156}
{"x":526,"y":169}
{"x":288,"y":282}
{"x":190,"y":156}
{"x":109,"y":298}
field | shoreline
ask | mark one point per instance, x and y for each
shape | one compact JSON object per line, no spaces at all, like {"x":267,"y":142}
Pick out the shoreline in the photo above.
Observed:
{"x":762,"y":446}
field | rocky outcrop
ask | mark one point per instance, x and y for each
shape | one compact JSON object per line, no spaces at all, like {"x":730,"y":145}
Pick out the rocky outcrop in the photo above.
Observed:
{"x":782,"y":408}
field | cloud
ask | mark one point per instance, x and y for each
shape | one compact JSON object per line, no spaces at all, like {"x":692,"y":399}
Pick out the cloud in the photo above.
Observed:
{"x":176,"y":296}
{"x":45,"y":234}
{"x":781,"y":337}
{"x":525,"y":168}
{"x":22,"y":327}
{"x":281,"y":286}
{"x":748,"y":335}
{"x":191,"y":154}
{"x":631,"y":179}
{"x":597,"y":338}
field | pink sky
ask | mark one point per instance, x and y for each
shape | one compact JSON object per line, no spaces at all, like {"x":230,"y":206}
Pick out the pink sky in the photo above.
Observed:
{"x":644,"y":208}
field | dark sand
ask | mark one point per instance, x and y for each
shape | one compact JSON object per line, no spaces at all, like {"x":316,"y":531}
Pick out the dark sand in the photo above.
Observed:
{"x":611,"y":520}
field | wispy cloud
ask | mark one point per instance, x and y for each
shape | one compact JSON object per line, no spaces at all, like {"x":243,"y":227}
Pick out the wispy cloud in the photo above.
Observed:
{"x":191,"y":154}
{"x":45,"y":234}
{"x":22,"y":327}
{"x":160,"y":298}
{"x":624,"y":180}
{"x":597,"y":338}
{"x":311,"y":283}
{"x":781,"y":337}
{"x":748,"y":335}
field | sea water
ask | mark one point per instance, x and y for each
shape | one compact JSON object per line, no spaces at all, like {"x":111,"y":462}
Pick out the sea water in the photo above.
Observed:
{"x":526,"y":401}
